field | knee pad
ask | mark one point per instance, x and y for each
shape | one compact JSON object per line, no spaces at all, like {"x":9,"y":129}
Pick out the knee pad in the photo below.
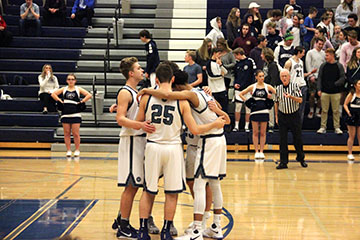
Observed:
{"x":238,"y":106}
{"x":217,"y":194}
{"x":199,"y":195}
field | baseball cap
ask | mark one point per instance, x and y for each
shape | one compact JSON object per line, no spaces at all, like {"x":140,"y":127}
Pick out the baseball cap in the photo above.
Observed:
{"x":254,"y":5}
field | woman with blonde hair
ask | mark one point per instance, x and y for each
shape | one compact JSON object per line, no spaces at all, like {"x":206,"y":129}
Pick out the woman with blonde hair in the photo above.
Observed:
{"x":203,"y":55}
{"x":353,"y":68}
{"x":232,"y":25}
{"x":342,"y":12}
{"x":227,"y":59}
{"x":286,"y":22}
{"x":72,"y":106}
{"x":48,"y":84}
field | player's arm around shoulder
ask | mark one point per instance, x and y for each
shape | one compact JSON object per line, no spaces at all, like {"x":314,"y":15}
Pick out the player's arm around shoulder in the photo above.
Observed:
{"x":140,"y":118}
{"x":214,"y":107}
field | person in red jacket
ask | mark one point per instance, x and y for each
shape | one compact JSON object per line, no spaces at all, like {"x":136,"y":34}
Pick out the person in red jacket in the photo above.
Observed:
{"x":5,"y":35}
{"x":245,"y":40}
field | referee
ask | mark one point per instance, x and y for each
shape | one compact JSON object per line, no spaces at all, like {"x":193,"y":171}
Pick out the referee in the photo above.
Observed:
{"x":287,"y":102}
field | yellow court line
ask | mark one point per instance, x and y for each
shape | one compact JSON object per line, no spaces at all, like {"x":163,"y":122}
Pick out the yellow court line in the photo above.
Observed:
{"x":14,"y":233}
{"x":82,"y":213}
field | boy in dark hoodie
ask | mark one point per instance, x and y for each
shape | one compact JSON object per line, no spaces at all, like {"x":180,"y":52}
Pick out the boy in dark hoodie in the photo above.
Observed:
{"x":245,"y":40}
{"x":273,"y":37}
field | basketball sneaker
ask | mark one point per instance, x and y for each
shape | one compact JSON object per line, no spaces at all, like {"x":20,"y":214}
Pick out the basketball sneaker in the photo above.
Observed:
{"x":214,"y":231}
{"x":143,"y":234}
{"x":76,"y":153}
{"x":165,"y":235}
{"x":153,"y":229}
{"x":194,"y":234}
{"x":173,"y":230}
{"x":115,"y":225}
{"x":127,"y":232}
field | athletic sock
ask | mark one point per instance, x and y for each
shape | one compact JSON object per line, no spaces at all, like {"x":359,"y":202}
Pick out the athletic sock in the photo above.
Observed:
{"x":236,"y":124}
{"x":217,"y":218}
{"x":246,"y":125}
{"x":143,"y":223}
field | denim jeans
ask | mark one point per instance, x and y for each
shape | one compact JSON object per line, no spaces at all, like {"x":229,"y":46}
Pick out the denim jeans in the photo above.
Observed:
{"x":25,"y":24}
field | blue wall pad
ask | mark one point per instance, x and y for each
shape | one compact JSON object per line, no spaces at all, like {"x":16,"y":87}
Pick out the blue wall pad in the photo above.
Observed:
{"x":31,"y":65}
{"x":29,"y":119}
{"x":32,"y":78}
{"x":21,"y":91}
{"x":33,"y":42}
{"x":21,"y":105}
{"x":78,"y":32}
{"x":40,"y":53}
{"x":26,"y":135}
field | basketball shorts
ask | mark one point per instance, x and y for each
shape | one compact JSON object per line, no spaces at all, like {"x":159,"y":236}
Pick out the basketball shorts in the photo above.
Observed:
{"x":239,"y":100}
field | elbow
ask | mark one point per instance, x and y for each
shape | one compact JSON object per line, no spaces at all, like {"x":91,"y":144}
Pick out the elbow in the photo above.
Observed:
{"x":195,"y":131}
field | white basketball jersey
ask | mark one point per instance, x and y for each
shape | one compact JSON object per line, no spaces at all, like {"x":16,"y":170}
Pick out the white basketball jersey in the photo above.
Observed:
{"x":165,"y":115}
{"x":132,"y":111}
{"x":297,"y":72}
{"x":202,"y":114}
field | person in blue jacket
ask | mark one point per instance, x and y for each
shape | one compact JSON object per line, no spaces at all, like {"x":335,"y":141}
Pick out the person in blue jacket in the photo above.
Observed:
{"x":82,"y":9}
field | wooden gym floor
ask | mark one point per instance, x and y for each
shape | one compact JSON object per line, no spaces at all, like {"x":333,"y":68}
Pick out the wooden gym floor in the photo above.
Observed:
{"x":43,"y":195}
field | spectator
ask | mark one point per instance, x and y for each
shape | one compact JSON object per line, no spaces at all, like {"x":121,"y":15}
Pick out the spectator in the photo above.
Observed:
{"x":321,"y":33}
{"x":5,"y":35}
{"x":286,"y":22}
{"x":254,"y":10}
{"x":249,"y":19}
{"x":330,"y":12}
{"x":83,"y":9}
{"x":335,"y":40}
{"x":275,"y":18}
{"x":244,"y":76}
{"x":342,"y":39}
{"x":70,"y":115}
{"x":30,"y":16}
{"x":152,"y":56}
{"x":272,"y":77}
{"x":342,"y":12}
{"x":203,"y":56}
{"x":352,"y":21}
{"x":284,"y":50}
{"x":245,"y":40}
{"x":216,"y":72}
{"x":48,"y":84}
{"x":192,"y":69}
{"x":227,"y":60}
{"x":348,"y":48}
{"x":273,"y":37}
{"x":325,"y":23}
{"x":353,"y":68}
{"x":352,"y":108}
{"x":331,"y":79}
{"x":259,"y":115}
{"x":255,"y":53}
{"x":215,"y":32}
{"x":314,"y":58}
{"x":54,"y":13}
{"x":297,"y":8}
{"x":298,"y":30}
{"x":310,"y":27}
{"x":232,"y":25}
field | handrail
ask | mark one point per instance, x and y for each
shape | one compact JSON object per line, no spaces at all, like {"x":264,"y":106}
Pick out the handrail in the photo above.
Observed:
{"x":105,"y":75}
{"x":108,"y":47}
{"x":94,"y":99}
{"x":117,"y":15}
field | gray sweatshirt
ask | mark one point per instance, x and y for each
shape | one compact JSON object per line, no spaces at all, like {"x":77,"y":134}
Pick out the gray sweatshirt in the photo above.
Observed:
{"x":314,"y":59}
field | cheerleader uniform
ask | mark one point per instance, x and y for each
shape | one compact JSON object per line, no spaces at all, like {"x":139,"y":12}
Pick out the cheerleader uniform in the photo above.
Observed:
{"x":71,"y":112}
{"x":354,"y":108}
{"x":260,"y":111}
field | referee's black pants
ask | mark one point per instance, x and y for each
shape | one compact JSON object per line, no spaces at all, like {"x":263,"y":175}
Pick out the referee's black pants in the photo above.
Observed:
{"x":290,"y":122}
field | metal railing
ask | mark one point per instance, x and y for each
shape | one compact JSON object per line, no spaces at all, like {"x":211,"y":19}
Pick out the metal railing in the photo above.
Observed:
{"x":117,"y":16}
{"x":107,"y":67}
{"x":94,"y":100}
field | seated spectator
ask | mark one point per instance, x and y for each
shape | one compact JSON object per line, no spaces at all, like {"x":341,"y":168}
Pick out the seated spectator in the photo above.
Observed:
{"x":245,"y":40}
{"x":353,"y":68}
{"x":233,"y":25}
{"x":286,"y":22}
{"x":273,"y":37}
{"x":192,"y":69}
{"x":321,"y":33}
{"x":298,"y":30}
{"x":284,"y":50}
{"x":54,"y":13}
{"x":276,"y":15}
{"x":343,"y":10}
{"x":82,"y":9}
{"x":325,"y":23}
{"x":30,"y":16}
{"x":5,"y":35}
{"x":348,"y":48}
{"x":310,"y":27}
{"x":48,"y":84}
{"x":249,"y":19}
{"x":227,"y":60}
{"x":255,"y":53}
{"x":352,"y":21}
{"x":215,"y":32}
{"x":297,"y":8}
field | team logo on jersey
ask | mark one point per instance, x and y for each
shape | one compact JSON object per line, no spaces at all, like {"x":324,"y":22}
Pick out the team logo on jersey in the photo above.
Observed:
{"x":246,"y":67}
{"x":248,"y":43}
{"x":71,"y":95}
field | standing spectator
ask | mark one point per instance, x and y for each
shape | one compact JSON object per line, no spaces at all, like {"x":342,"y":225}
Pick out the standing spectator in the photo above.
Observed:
{"x":287,"y":100}
{"x":286,"y":22}
{"x":325,"y":23}
{"x":310,"y":27}
{"x":70,"y":115}
{"x":255,"y":53}
{"x":296,"y":68}
{"x":254,"y":10}
{"x":273,"y":37}
{"x":275,"y":18}
{"x":342,"y":39}
{"x":216,"y":72}
{"x":352,"y":108}
{"x":335,"y":41}
{"x":215,"y":32}
{"x":321,"y":33}
{"x":83,"y":9}
{"x":30,"y":16}
{"x":244,"y":76}
{"x":330,"y":12}
{"x":48,"y":84}
{"x":348,"y":48}
{"x":152,"y":56}
{"x":192,"y":69}
{"x":352,"y":21}
{"x":314,"y":58}
{"x":297,"y":8}
{"x":298,"y":30}
{"x":5,"y":35}
{"x":331,"y":79}
{"x":249,"y":19}
{"x":227,"y":60}
{"x":245,"y":40}
{"x":232,"y":25}
{"x":203,"y":56}
{"x":54,"y":13}
{"x":271,"y":72}
{"x":353,"y":68}
{"x":284,"y":50}
{"x":259,"y":115}
{"x":342,"y":12}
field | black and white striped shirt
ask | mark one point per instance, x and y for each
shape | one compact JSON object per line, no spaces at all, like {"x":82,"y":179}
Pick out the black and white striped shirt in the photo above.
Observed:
{"x":287,"y":105}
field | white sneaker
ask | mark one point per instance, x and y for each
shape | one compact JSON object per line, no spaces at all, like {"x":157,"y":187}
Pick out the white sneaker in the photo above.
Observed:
{"x":235,"y":129}
{"x":338,"y":131}
{"x":350,"y":157}
{"x":310,"y":115}
{"x":76,"y":153}
{"x":194,"y":234}
{"x":261,"y":155}
{"x":68,"y":153}
{"x":247,"y":130}
{"x":321,"y":131}
{"x":189,"y":229}
{"x":214,"y":231}
{"x":257,"y":155}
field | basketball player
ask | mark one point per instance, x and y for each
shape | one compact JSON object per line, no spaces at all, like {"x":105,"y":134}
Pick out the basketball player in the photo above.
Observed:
{"x":164,"y":152}
{"x":210,"y":163}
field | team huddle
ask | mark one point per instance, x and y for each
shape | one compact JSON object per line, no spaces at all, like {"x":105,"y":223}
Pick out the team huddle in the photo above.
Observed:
{"x":150,"y":147}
